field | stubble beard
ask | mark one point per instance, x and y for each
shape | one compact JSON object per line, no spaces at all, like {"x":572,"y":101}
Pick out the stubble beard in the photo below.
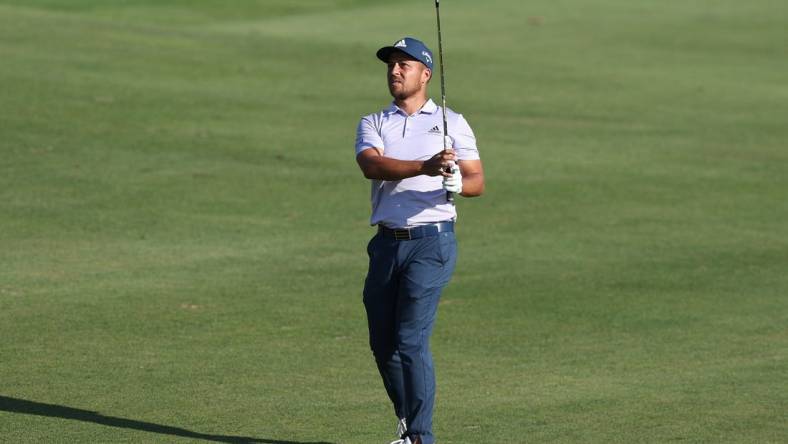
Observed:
{"x":403,"y":92}
{"x":400,"y":95}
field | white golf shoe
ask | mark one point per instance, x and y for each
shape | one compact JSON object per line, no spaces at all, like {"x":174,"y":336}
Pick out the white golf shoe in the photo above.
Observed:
{"x":402,"y":427}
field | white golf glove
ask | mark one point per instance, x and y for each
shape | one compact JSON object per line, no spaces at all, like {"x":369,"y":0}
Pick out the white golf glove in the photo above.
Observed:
{"x":454,"y":182}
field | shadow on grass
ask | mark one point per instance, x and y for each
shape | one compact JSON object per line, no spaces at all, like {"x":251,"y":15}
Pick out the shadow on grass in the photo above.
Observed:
{"x":15,"y":405}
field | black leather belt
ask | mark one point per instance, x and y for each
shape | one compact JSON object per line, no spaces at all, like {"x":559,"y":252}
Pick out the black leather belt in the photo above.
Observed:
{"x":416,"y":232}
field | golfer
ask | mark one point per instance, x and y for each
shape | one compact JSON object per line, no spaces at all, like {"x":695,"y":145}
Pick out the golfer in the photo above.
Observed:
{"x":401,"y":149}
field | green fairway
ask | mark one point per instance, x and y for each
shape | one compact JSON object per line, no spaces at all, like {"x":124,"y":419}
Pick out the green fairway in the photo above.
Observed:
{"x":183,"y":224}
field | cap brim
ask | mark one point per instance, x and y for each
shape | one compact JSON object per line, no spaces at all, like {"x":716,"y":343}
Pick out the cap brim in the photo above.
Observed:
{"x":385,"y":52}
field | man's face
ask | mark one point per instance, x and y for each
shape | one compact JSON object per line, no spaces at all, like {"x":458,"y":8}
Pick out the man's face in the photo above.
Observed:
{"x":406,"y":76}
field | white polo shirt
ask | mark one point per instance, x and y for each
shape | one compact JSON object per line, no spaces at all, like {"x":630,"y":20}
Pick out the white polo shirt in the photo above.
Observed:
{"x":416,"y":200}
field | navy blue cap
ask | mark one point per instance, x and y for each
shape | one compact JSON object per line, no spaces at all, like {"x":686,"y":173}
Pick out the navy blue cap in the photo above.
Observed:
{"x":410,"y":46}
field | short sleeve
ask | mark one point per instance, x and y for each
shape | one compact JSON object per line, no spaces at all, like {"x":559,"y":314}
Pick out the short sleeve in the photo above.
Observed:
{"x":367,"y":136}
{"x":464,"y":140}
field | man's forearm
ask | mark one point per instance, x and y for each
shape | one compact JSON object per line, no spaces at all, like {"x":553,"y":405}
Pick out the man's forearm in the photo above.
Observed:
{"x":386,"y":168}
{"x":472,"y":185}
{"x":376,"y":166}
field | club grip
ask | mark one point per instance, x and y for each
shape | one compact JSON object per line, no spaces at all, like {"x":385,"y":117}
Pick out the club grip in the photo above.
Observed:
{"x":449,"y":194}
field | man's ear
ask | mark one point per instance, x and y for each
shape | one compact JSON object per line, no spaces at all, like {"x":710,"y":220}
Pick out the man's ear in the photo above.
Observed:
{"x":427,"y":75}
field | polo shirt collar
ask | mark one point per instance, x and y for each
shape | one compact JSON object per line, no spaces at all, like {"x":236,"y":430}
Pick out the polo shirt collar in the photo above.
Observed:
{"x":429,"y":108}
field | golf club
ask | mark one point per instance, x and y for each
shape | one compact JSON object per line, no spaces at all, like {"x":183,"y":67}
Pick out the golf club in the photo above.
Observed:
{"x":449,"y":195}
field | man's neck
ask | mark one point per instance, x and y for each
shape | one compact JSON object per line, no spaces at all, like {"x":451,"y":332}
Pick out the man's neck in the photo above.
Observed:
{"x":412,"y":104}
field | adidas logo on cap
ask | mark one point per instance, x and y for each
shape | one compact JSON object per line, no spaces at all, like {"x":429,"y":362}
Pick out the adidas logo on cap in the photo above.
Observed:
{"x":401,"y":44}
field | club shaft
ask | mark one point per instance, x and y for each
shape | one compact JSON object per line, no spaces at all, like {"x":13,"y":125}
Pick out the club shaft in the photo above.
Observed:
{"x":449,"y":195}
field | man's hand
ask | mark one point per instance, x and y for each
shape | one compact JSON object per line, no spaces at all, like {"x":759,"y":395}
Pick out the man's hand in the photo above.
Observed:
{"x":453,"y":182}
{"x":438,"y":164}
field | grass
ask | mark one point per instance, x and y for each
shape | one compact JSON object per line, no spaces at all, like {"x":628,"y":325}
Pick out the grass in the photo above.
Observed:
{"x":182,"y":223}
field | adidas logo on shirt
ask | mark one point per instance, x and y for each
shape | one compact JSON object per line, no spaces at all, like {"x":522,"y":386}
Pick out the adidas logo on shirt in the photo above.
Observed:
{"x":435,"y":130}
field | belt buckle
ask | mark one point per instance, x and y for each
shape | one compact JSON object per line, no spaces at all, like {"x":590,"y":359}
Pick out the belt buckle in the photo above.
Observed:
{"x":403,"y":234}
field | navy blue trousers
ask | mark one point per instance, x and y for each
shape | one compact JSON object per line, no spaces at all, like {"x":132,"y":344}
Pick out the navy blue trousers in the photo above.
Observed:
{"x":401,"y":294}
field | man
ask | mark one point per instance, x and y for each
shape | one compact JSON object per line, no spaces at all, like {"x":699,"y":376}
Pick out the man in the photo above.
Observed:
{"x":412,"y":256}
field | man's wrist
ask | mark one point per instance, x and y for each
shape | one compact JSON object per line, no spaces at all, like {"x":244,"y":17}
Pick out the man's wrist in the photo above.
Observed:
{"x":420,"y":168}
